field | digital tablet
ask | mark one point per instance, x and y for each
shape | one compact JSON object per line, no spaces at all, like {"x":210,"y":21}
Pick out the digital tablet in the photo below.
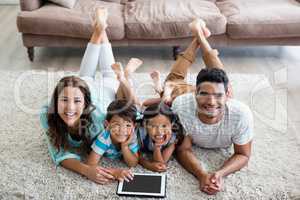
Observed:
{"x":148,"y":185}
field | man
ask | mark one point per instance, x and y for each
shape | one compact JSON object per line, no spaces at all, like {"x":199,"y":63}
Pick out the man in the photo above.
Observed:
{"x":213,"y":120}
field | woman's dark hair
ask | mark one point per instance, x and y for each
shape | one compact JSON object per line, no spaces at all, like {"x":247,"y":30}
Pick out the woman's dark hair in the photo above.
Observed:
{"x":123,"y":109}
{"x":214,"y":75}
{"x":58,"y":130}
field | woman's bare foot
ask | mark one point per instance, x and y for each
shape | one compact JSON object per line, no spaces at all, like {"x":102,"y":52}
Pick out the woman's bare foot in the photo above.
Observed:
{"x":199,"y":28}
{"x":155,"y":75}
{"x":101,"y":15}
{"x":132,"y":66}
{"x":118,"y":69}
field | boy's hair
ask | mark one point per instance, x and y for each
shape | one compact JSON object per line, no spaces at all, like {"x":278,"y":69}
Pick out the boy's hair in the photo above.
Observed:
{"x":123,"y":109}
{"x":214,"y":75}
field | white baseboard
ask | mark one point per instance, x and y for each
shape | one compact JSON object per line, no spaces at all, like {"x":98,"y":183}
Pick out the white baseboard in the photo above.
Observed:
{"x":9,"y":2}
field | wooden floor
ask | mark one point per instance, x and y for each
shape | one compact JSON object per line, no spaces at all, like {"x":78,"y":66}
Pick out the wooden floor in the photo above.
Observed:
{"x":280,"y":64}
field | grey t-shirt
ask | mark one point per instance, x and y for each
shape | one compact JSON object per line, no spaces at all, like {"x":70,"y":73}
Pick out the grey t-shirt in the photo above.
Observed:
{"x":236,"y":126}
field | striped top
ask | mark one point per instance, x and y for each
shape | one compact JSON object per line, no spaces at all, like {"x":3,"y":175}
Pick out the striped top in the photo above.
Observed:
{"x":104,"y":146}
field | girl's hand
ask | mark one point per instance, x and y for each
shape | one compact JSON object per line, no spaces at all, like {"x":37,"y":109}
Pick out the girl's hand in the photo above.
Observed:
{"x":123,"y":174}
{"x":99,"y":175}
{"x":168,"y":136}
{"x":158,"y":167}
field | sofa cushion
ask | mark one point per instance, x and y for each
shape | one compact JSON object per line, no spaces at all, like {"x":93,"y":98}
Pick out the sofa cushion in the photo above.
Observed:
{"x":164,"y":19}
{"x":55,"y":20}
{"x":261,"y":18}
{"x":65,"y":3}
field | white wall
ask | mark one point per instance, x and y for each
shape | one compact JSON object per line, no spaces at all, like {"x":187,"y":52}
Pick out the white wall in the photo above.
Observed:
{"x":9,"y":1}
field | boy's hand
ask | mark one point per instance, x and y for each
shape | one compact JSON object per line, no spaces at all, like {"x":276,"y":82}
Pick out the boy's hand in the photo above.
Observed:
{"x":122,"y":174}
{"x":128,"y":141}
{"x":99,"y":175}
{"x":158,"y":167}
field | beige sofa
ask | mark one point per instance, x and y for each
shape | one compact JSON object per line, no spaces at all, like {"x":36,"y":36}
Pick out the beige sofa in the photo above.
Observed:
{"x":161,"y":22}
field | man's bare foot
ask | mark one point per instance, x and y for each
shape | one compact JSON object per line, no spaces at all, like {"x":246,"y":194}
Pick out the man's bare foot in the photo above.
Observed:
{"x":199,"y":28}
{"x":101,"y":15}
{"x":118,"y":69}
{"x":132,"y":65}
{"x":155,"y":75}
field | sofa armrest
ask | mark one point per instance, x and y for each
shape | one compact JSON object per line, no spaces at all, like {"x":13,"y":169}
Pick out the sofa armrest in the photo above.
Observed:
{"x":29,"y":5}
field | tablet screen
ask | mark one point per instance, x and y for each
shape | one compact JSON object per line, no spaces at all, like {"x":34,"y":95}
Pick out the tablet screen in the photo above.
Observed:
{"x":145,"y":185}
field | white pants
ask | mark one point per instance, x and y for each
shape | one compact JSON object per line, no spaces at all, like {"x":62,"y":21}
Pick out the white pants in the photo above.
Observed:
{"x":103,"y":91}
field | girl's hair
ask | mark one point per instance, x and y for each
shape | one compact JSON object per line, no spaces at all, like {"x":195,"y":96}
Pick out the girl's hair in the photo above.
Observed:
{"x":158,"y":109}
{"x":58,"y":130}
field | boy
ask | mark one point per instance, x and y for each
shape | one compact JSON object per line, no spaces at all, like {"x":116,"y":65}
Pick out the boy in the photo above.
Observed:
{"x":118,"y":139}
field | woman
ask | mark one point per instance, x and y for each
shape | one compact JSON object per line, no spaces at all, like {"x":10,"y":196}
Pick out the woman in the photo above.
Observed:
{"x":77,"y":110}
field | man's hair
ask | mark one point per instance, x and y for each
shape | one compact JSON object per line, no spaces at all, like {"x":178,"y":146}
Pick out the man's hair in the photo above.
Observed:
{"x":122,"y":109}
{"x":214,"y":75}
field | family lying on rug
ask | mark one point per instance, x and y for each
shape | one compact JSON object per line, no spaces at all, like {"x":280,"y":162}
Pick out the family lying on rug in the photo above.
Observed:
{"x":86,"y":120}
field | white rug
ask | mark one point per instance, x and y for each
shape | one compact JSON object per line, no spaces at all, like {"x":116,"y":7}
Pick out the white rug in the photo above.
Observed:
{"x":27,"y":172}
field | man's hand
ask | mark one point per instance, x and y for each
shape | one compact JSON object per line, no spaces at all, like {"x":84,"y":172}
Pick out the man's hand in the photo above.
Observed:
{"x":99,"y":175}
{"x":217,"y":179}
{"x":209,"y":184}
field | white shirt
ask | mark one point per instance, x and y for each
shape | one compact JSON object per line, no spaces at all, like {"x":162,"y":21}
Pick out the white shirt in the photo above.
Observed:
{"x":236,"y":125}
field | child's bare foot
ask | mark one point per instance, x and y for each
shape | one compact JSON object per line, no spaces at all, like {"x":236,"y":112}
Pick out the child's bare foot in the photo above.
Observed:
{"x":118,"y":69}
{"x":101,"y":18}
{"x":132,"y":65}
{"x":155,"y":75}
{"x":199,"y":28}
{"x":168,"y":88}
{"x":230,"y":91}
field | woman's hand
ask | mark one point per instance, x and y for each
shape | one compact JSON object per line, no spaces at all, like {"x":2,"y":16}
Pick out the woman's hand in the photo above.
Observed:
{"x":99,"y":174}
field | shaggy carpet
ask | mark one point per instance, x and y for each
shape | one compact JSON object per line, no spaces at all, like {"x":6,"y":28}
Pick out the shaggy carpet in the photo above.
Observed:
{"x":27,"y":172}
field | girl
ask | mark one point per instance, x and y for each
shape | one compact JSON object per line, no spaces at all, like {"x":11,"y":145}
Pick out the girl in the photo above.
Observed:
{"x":157,"y":135}
{"x":76,"y":112}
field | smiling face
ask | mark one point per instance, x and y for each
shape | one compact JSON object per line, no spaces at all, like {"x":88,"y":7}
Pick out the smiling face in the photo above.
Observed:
{"x":120,"y":129}
{"x":70,"y":105}
{"x":159,"y":129}
{"x":211,"y":99}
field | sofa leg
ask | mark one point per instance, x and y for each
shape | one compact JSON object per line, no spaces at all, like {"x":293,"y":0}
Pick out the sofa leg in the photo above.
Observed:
{"x":176,"y":51}
{"x":30,"y":52}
